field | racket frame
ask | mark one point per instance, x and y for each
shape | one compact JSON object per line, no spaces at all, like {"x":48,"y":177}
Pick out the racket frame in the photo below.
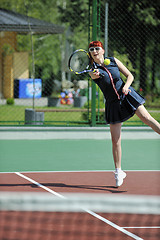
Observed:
{"x":85,"y":70}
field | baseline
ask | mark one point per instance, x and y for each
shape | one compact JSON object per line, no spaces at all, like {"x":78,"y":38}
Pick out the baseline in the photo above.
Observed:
{"x":12,"y":133}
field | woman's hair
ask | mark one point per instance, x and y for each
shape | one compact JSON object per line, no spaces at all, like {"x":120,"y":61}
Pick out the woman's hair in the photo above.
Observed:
{"x":94,"y":44}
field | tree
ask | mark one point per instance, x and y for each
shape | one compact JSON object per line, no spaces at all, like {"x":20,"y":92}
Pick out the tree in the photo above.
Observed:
{"x":134,"y":29}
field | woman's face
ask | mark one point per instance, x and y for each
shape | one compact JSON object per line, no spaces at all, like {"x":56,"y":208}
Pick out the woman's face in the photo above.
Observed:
{"x":97,"y":53}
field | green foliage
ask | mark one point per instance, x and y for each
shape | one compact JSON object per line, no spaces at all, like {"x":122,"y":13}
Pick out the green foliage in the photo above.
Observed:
{"x":7,"y":49}
{"x":83,"y":92}
{"x":75,"y":14}
{"x":146,"y":11}
{"x":124,"y":58}
{"x":136,"y":33}
{"x":10,"y":101}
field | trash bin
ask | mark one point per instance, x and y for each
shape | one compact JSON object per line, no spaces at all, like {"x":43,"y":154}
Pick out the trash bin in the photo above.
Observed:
{"x":33,"y":118}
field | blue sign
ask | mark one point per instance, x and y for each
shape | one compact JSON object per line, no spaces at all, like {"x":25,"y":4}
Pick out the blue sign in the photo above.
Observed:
{"x":28,"y":88}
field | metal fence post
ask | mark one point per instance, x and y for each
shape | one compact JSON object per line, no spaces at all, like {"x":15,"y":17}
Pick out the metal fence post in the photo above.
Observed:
{"x":94,"y":37}
{"x":106,"y":29}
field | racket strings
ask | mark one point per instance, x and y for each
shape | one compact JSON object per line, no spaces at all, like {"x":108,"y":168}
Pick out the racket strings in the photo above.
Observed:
{"x":79,"y":62}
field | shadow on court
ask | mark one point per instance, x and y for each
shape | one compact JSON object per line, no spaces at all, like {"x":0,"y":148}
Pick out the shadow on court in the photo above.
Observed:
{"x":111,"y":189}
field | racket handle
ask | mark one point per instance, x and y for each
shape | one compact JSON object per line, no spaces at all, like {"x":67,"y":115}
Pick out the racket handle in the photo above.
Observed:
{"x":100,"y":74}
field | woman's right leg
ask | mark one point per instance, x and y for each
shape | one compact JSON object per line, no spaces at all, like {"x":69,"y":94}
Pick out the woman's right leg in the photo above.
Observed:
{"x":115,"y":130}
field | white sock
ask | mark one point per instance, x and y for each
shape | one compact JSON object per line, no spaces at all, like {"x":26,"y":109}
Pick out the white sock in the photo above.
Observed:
{"x":118,"y":170}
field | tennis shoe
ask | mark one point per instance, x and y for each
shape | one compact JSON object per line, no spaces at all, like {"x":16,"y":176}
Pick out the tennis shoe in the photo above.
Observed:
{"x":119,"y":176}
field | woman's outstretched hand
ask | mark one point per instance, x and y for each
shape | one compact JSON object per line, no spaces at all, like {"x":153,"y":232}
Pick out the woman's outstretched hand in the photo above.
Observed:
{"x":94,"y":74}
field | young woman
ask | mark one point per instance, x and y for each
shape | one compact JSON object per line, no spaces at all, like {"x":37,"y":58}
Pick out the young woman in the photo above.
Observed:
{"x":122,"y":101}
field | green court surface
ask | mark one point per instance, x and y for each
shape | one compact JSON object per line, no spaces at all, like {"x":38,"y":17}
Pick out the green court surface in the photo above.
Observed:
{"x":77,"y":155}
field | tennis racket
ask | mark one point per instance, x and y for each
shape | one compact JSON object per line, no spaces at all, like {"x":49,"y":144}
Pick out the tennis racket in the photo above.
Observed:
{"x":79,"y":62}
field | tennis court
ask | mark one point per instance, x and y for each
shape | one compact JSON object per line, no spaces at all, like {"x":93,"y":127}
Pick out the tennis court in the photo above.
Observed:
{"x":63,"y":165}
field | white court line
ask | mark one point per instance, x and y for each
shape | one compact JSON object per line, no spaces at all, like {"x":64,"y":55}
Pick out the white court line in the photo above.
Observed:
{"x":40,"y":185}
{"x":86,"y":210}
{"x":143,"y":227}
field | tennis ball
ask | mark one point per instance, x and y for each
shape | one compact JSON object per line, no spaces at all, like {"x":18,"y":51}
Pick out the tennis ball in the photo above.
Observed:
{"x":107,"y":61}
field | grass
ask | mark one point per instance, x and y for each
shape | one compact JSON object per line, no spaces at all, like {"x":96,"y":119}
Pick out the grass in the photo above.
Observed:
{"x":15,"y":115}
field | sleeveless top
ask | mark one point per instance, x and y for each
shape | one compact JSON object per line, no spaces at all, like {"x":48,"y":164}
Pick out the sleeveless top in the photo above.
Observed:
{"x":118,"y":107}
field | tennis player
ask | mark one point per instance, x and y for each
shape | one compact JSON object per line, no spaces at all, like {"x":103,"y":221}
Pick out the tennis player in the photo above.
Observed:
{"x":122,"y":101}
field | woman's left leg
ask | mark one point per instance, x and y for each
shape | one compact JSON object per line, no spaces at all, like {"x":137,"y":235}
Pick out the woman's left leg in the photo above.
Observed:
{"x":144,"y":115}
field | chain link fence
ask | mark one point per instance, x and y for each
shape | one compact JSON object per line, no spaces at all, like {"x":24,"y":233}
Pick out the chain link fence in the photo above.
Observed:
{"x":36,"y":40}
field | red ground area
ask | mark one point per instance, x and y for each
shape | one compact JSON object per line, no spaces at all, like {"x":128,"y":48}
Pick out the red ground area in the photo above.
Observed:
{"x":141,"y":183}
{"x":79,"y":226}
